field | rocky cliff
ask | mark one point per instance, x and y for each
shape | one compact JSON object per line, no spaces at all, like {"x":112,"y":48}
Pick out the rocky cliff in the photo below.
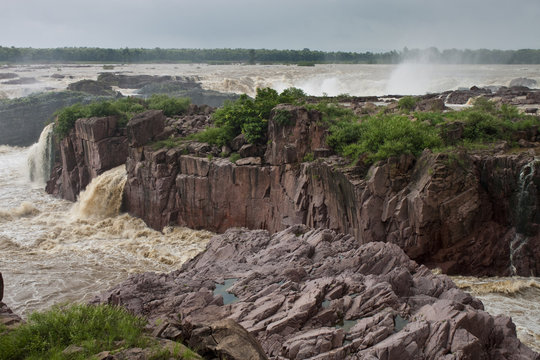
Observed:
{"x":458,"y":211}
{"x":472,"y":212}
{"x":93,"y":146}
{"x":315,"y":294}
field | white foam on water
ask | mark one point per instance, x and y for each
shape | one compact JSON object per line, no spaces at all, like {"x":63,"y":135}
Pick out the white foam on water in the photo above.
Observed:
{"x":55,"y":251}
{"x":517,"y":297}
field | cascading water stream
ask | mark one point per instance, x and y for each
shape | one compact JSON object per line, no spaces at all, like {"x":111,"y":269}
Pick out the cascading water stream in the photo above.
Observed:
{"x":42,"y":239}
{"x":41,"y":156}
{"x":526,"y":205}
{"x":102,"y":198}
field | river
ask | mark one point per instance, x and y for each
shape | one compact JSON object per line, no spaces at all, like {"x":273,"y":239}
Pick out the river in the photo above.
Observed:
{"x":55,"y":251}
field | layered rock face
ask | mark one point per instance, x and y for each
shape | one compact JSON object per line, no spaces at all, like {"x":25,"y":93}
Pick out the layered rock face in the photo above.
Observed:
{"x":92,"y":147}
{"x":319,"y":295}
{"x":456,"y":211}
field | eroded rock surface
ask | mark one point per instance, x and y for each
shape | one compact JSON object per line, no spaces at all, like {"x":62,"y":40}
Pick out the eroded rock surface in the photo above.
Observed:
{"x":317,"y":294}
{"x":456,"y":211}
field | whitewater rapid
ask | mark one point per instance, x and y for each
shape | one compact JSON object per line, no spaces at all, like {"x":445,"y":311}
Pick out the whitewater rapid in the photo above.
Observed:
{"x":329,"y":79}
{"x":55,"y":251}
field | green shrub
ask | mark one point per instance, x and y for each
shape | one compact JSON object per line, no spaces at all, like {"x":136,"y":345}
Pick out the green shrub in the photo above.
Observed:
{"x":93,"y":328}
{"x":484,"y":105}
{"x":407,"y":103}
{"x":248,"y":116}
{"x":66,"y":117}
{"x":214,"y":135}
{"x":332,"y":112}
{"x":234,"y":157}
{"x":433,"y":118}
{"x":292,"y":95}
{"x":382,"y":136}
{"x":170,"y":106}
{"x":282,"y":117}
{"x":483,"y":126}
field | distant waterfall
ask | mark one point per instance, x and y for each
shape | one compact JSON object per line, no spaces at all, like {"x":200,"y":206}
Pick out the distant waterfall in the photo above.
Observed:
{"x":102,"y":198}
{"x":41,"y":156}
{"x":526,"y":205}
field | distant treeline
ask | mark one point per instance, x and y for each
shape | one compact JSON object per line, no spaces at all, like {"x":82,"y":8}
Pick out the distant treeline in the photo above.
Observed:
{"x":252,"y":56}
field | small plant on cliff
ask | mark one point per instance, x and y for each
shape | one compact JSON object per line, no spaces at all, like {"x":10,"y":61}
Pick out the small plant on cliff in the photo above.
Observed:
{"x":170,"y":106}
{"x":66,"y":117}
{"x":234,"y":157}
{"x":282,"y":117}
{"x":407,"y":103}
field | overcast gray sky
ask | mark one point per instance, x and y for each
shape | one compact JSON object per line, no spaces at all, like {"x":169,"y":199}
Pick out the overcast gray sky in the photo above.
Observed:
{"x":349,"y":25}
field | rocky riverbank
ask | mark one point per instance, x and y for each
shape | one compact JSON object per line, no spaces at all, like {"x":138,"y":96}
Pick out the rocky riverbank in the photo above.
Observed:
{"x":315,"y":294}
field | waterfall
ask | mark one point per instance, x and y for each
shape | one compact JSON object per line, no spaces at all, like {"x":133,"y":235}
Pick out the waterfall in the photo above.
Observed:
{"x":102,"y":198}
{"x":41,"y":156}
{"x":526,"y":206}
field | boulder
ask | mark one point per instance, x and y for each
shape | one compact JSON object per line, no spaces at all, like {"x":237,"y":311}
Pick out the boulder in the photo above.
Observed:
{"x":224,"y":339}
{"x":433,"y":104}
{"x":143,"y":127}
{"x":530,"y":83}
{"x":92,"y":87}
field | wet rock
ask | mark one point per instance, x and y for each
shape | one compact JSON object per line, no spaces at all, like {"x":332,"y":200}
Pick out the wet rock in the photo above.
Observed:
{"x":21,"y":81}
{"x":8,"y":318}
{"x":463,"y":96}
{"x":93,"y":87}
{"x":343,"y":304}
{"x":433,"y":104}
{"x":131,"y":81}
{"x":530,"y":83}
{"x":4,"y":76}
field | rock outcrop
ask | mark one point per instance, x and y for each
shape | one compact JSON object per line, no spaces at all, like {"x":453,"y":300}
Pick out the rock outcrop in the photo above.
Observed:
{"x":7,"y":317}
{"x":92,"y":87}
{"x":93,"y":146}
{"x":456,"y":211}
{"x":317,"y":294}
{"x":23,"y":119}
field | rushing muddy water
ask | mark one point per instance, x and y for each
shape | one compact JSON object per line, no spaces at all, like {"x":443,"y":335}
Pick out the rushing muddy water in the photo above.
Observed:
{"x":53,"y":250}
{"x":517,"y":297}
{"x":332,"y":79}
